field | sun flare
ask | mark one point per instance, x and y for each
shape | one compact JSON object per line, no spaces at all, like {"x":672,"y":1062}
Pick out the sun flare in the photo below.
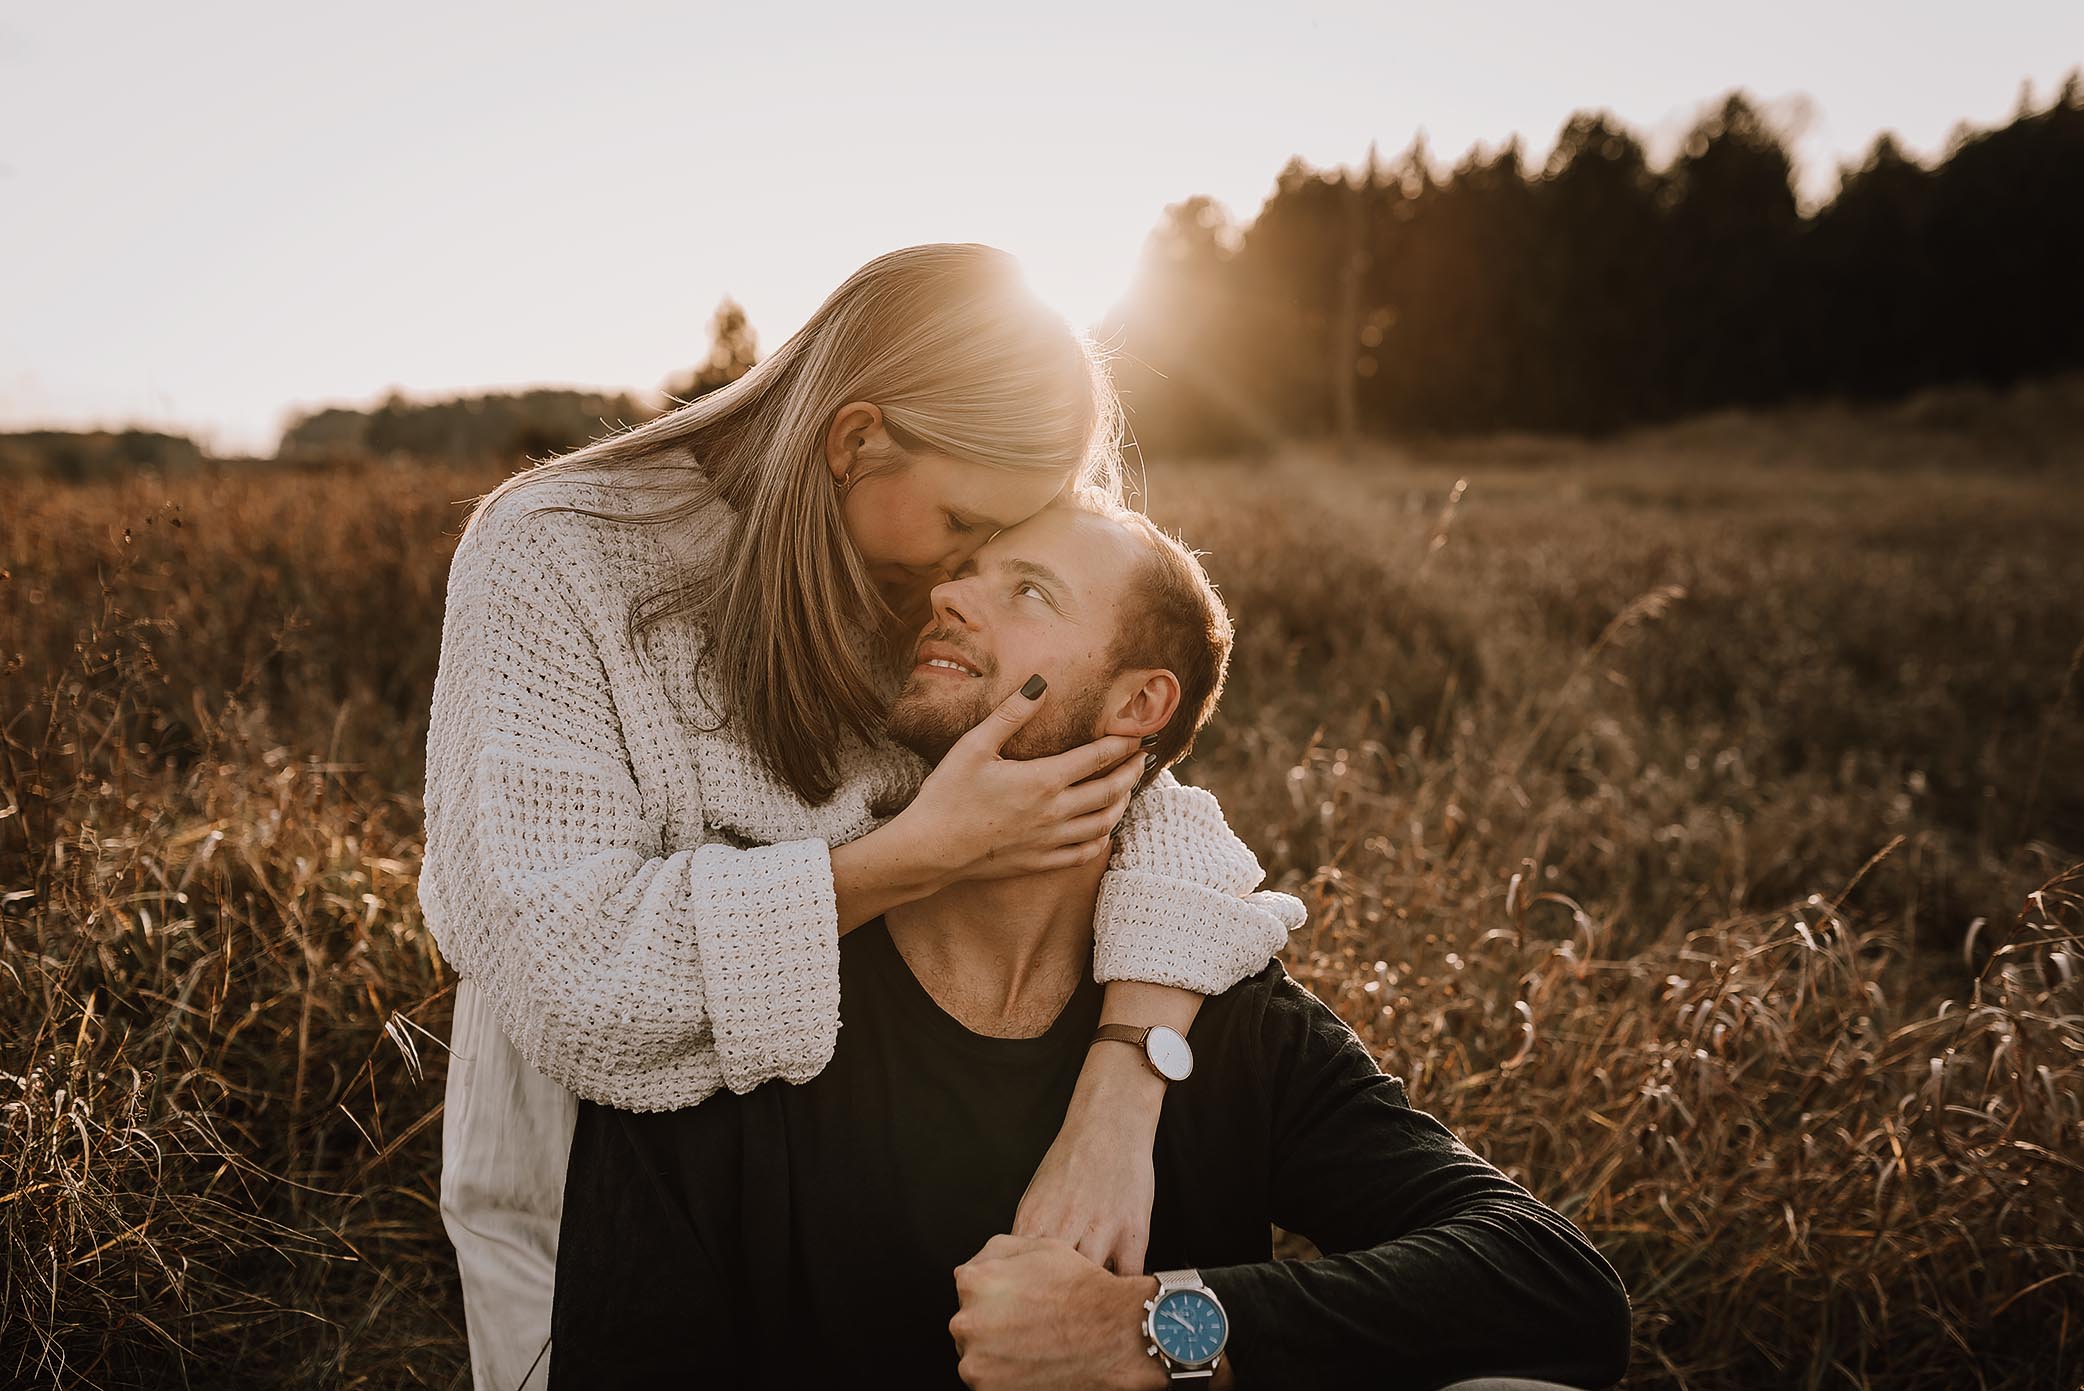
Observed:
{"x":1081,"y":282}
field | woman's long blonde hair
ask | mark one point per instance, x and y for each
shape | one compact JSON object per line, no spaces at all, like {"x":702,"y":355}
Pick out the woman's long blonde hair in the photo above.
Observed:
{"x":963,"y":360}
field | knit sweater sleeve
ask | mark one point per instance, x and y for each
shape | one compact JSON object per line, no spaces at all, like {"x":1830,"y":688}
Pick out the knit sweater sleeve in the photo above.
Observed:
{"x":633,"y":977}
{"x":1180,"y":903}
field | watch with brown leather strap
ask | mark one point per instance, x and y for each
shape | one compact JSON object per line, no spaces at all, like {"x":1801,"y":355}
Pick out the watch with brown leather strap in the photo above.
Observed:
{"x":1163,"y":1049}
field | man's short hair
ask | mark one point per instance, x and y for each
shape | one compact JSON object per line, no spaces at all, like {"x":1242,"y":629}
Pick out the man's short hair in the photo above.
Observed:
{"x":1171,"y":618}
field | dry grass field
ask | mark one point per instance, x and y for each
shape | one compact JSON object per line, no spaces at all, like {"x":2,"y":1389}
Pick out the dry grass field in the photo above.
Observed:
{"x":1693,"y":819}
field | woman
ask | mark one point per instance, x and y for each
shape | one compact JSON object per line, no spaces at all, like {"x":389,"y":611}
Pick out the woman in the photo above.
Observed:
{"x":657,"y":791}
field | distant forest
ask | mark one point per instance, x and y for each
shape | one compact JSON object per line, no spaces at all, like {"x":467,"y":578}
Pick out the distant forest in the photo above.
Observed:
{"x":1590,"y":294}
{"x":1598,"y":292}
{"x":516,"y":424}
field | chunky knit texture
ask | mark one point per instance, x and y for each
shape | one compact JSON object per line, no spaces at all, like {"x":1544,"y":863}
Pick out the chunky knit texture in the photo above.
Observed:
{"x":648,"y":909}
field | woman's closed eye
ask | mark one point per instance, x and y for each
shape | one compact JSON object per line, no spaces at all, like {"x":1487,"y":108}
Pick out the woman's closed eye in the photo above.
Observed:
{"x":958,"y":525}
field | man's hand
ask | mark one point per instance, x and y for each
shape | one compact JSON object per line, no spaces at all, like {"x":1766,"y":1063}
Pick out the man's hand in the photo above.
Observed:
{"x":1037,"y":1316}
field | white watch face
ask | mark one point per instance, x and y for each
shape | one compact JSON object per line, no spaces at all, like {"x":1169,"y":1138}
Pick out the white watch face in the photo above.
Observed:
{"x":1169,"y":1053}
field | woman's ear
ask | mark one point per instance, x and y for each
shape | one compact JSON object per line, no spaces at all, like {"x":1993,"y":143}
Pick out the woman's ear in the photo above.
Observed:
{"x":1145,"y":703}
{"x":850,"y":438}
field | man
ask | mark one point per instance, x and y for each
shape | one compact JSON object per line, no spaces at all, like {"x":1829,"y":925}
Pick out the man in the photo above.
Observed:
{"x":852,"y":1230}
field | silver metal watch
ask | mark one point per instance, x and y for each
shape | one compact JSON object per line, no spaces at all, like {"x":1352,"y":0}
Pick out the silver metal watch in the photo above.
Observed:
{"x":1185,"y":1325}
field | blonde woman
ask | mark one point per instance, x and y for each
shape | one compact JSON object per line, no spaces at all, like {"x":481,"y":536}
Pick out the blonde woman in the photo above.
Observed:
{"x":658,"y":791}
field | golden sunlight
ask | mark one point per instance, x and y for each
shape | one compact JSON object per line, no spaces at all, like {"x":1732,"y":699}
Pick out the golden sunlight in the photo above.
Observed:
{"x":1081,"y":280}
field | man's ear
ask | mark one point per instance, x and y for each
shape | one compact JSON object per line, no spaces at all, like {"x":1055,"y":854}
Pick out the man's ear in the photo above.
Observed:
{"x":850,"y":439}
{"x":1144,"y":702}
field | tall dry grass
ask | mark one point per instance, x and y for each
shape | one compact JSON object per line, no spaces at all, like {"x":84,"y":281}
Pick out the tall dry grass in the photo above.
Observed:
{"x":1693,"y":830}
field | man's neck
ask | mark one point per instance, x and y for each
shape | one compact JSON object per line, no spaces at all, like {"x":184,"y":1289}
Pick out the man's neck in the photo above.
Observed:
{"x":1002,"y":955}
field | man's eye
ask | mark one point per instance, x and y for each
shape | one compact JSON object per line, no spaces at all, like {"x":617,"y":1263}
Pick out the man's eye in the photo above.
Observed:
{"x":1030,"y":587}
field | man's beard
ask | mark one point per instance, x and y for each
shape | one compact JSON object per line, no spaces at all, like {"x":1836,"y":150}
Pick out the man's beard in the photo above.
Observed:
{"x":928,"y":719}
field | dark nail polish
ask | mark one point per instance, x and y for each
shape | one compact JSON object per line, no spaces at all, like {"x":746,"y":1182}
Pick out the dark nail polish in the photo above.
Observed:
{"x":1150,"y":741}
{"x":1148,"y":760}
{"x":1035,"y":686}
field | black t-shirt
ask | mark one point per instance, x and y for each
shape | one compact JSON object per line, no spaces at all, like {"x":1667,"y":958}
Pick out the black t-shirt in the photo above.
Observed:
{"x":807,"y":1235}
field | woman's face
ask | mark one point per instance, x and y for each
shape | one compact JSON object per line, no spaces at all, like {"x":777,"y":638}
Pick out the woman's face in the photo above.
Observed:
{"x":915,"y":523}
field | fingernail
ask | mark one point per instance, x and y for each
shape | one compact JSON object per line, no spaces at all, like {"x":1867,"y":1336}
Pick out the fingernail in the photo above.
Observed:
{"x":1148,"y":760}
{"x":1150,"y":741}
{"x":1035,"y":686}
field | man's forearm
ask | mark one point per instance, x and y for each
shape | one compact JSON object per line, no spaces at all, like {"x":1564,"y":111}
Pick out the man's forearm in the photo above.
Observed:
{"x":1494,"y":1291}
{"x":1442,"y":1267}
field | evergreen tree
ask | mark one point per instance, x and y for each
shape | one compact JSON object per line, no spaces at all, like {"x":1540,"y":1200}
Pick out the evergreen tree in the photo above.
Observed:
{"x":733,"y":349}
{"x":1600,"y":329}
{"x":1870,"y":281}
{"x":1730,"y":232}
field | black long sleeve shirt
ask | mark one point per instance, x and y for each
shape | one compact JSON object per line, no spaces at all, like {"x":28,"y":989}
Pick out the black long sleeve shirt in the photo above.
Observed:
{"x":801,"y":1235}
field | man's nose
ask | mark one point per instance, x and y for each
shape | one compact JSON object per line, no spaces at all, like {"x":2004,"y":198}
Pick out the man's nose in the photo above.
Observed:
{"x":952,"y":604}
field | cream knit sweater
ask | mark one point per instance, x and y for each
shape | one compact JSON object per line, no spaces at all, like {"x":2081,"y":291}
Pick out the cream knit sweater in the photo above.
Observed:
{"x":647,"y":910}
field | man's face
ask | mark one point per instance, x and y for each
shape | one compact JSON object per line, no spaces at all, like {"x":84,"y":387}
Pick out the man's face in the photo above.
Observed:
{"x":1041,"y":597}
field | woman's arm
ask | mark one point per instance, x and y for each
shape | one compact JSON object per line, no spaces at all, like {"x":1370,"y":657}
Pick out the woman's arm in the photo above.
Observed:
{"x":631,"y":977}
{"x":876,"y":873}
{"x":1180,"y":904}
{"x":1179,"y":917}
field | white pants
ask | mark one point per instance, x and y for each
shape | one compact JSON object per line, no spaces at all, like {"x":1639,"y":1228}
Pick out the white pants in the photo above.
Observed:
{"x":506,"y":1138}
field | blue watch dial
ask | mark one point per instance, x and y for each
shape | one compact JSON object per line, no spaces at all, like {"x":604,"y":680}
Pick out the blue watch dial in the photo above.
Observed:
{"x":1188,"y":1326}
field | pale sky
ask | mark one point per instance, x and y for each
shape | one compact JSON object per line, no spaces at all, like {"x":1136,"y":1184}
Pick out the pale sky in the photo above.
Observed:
{"x":211,"y":213}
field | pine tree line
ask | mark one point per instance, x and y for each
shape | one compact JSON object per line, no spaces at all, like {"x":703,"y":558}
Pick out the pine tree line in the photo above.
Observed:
{"x":1598,"y":292}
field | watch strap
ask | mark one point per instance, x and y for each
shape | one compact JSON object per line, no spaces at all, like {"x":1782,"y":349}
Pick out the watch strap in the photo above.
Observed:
{"x":1121,"y":1033}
